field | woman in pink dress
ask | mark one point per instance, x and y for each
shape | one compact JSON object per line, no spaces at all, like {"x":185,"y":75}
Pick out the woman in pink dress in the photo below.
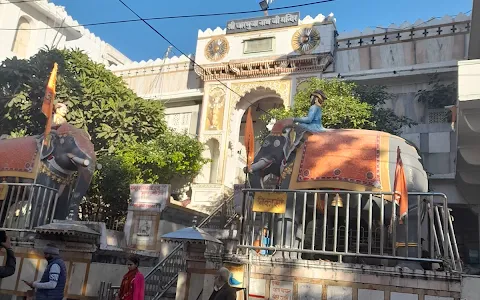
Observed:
{"x":133,"y":283}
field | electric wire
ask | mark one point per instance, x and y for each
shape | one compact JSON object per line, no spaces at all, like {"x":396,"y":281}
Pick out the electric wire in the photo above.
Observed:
{"x":191,"y":60}
{"x":165,"y":17}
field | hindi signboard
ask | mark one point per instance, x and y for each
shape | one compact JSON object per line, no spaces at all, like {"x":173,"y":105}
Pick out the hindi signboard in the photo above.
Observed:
{"x":150,"y":197}
{"x":263,"y":23}
{"x":270,"y":202}
{"x":281,"y":290}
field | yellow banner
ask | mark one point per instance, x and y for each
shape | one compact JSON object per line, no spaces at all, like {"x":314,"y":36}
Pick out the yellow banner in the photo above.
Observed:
{"x":270,"y":202}
{"x":3,"y":191}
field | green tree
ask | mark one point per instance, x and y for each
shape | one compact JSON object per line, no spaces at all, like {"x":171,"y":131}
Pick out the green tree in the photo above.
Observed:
{"x":129,"y":133}
{"x":98,"y":100}
{"x":349,"y":105}
{"x":169,"y":158}
{"x":438,"y":94}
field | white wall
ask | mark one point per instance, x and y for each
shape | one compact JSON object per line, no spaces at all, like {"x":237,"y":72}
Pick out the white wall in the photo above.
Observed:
{"x":42,"y":14}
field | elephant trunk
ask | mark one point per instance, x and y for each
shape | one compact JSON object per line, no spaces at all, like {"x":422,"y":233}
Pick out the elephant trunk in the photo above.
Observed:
{"x":259,"y":165}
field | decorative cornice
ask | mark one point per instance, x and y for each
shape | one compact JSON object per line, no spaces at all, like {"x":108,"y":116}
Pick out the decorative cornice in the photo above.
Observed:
{"x":265,"y":68}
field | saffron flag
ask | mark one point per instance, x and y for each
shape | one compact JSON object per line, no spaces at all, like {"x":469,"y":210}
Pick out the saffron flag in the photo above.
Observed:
{"x":249,"y":138}
{"x":47,"y":106}
{"x":400,"y":187}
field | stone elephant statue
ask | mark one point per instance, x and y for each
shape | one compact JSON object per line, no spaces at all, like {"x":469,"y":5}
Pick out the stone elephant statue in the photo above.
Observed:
{"x":348,"y":160}
{"x":67,"y":165}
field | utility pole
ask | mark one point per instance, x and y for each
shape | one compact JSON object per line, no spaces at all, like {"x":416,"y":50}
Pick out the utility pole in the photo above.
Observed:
{"x":158,"y":78}
{"x":167,"y":53}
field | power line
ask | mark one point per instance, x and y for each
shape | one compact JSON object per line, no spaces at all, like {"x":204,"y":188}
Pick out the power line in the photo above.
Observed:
{"x":192,"y":60}
{"x":20,"y":1}
{"x":166,"y":17}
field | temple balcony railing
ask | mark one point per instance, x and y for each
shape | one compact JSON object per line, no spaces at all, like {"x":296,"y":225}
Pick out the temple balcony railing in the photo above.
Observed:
{"x":350,"y":227}
{"x":25,"y":206}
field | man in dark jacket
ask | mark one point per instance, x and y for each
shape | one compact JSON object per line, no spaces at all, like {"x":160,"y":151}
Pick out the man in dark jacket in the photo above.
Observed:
{"x":52,"y":283}
{"x":221,"y":289}
{"x":11,"y":263}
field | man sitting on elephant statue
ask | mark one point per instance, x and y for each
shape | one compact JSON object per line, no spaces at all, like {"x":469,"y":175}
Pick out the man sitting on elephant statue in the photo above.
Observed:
{"x":313,"y":121}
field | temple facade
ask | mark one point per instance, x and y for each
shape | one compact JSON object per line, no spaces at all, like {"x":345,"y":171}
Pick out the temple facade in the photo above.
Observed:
{"x":253,"y":64}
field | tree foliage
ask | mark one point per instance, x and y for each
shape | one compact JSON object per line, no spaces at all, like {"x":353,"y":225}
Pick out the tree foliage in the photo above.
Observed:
{"x":438,"y":95}
{"x":98,"y":101}
{"x":349,"y":105}
{"x":129,"y":133}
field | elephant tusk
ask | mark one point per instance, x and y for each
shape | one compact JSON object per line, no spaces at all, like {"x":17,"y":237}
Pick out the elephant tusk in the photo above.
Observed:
{"x":79,"y":161}
{"x":260,"y":165}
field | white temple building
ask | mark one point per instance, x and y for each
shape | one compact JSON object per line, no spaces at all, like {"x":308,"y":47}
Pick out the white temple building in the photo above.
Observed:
{"x":37,"y":25}
{"x":266,"y":64}
{"x":265,"y":61}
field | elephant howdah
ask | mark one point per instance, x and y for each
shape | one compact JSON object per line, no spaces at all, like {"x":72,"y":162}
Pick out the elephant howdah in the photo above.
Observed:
{"x":67,"y":165}
{"x":350,"y":160}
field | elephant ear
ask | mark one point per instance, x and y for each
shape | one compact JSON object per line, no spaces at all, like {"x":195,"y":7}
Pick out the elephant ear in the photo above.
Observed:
{"x":293,"y":138}
{"x":46,"y":150}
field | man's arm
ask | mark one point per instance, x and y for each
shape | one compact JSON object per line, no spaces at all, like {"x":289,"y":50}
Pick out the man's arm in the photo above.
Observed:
{"x":52,"y":277}
{"x":10,"y":265}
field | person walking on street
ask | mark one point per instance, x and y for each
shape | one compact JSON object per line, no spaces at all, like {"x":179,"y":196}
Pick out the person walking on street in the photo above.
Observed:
{"x":52,"y":284}
{"x":133,"y":283}
{"x":221,"y":289}
{"x":11,"y":262}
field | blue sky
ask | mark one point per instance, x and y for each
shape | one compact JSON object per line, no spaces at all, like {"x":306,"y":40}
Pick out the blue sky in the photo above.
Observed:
{"x":139,"y":42}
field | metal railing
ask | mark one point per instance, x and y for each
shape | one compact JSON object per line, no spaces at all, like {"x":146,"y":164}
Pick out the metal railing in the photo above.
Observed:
{"x":350,"y":225}
{"x":26,"y":205}
{"x":165,"y":273}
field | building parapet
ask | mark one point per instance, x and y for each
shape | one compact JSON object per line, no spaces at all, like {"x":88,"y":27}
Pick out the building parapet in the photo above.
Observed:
{"x":319,"y":19}
{"x":434,"y":27}
{"x":175,"y":63}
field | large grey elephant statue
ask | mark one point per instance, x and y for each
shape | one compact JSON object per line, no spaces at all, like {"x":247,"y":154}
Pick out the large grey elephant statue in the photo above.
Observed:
{"x":348,"y":160}
{"x":67,"y":165}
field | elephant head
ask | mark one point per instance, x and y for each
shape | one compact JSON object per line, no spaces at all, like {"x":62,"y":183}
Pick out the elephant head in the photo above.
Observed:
{"x":277,"y":148}
{"x":71,"y":151}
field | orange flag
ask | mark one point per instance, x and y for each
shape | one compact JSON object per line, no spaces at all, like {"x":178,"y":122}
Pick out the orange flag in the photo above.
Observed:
{"x":47,"y":106}
{"x":249,"y":138}
{"x":400,"y":187}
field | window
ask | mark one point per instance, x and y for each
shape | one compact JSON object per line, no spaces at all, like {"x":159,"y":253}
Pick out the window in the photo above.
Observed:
{"x":258,"y":45}
{"x":179,"y":122}
{"x":22,"y":38}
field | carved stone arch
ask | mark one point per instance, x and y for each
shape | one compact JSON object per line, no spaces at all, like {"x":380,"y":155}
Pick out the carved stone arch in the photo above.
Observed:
{"x":210,"y":171}
{"x":21,"y":41}
{"x":243,"y":95}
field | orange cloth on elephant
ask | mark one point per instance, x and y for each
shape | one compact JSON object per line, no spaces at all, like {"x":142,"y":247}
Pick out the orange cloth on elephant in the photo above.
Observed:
{"x":344,"y":159}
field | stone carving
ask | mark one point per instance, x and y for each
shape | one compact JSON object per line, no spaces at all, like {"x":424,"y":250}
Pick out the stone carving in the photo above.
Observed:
{"x":281,"y":87}
{"x":268,"y":67}
{"x":60,"y":115}
{"x":305,"y":40}
{"x":215,"y":109}
{"x":216,"y":49}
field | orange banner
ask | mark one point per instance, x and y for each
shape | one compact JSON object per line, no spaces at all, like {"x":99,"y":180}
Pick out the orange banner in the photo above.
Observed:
{"x":47,"y":106}
{"x":249,"y":139}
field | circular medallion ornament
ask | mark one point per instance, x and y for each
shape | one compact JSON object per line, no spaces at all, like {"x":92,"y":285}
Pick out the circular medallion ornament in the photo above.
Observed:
{"x":305,"y":40}
{"x":216,"y":49}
